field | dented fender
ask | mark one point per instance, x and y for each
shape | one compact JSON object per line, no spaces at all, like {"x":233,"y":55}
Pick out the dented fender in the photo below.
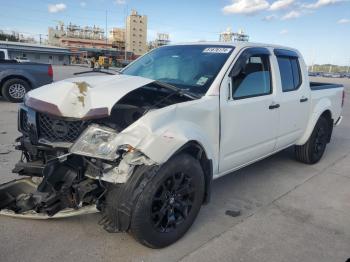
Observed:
{"x":161,"y":133}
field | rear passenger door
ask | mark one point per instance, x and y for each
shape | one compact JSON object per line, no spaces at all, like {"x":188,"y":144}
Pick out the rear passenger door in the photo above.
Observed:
{"x":293,"y":97}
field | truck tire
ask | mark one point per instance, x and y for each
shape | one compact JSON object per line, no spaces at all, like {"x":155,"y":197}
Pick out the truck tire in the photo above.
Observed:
{"x":14,"y":90}
{"x":131,"y":206}
{"x":169,"y":203}
{"x":312,"y":151}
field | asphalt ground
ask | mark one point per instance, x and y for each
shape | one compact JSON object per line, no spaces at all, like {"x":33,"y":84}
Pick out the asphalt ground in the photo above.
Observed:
{"x":289,"y":212}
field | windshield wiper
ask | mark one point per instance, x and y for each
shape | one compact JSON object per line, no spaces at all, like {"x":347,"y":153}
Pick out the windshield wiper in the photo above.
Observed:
{"x":95,"y":70}
{"x":178,"y":90}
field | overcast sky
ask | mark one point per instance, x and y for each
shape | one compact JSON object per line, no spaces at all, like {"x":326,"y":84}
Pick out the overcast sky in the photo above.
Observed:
{"x":320,"y":29}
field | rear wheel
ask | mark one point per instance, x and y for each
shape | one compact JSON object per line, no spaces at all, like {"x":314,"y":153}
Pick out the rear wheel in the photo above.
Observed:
{"x":14,"y":90}
{"x":169,"y":203}
{"x":312,"y":151}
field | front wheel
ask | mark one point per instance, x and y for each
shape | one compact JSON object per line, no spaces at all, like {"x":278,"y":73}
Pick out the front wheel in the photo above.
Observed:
{"x":312,"y":151}
{"x":15,"y":89}
{"x":169,"y":203}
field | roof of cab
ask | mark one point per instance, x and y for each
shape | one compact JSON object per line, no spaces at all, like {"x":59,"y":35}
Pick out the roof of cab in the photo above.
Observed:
{"x":236,"y":44}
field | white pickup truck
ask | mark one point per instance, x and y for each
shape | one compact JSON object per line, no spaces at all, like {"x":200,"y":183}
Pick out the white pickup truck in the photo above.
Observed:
{"x":144,"y":146}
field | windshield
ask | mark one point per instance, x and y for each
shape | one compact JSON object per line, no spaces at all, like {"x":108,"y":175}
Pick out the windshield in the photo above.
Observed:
{"x":190,"y":67}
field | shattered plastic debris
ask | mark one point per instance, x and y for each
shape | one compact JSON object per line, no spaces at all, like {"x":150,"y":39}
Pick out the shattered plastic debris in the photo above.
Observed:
{"x":69,"y":212}
{"x":122,"y":173}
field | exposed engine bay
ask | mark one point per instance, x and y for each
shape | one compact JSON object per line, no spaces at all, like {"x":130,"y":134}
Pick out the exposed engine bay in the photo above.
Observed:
{"x":74,"y":161}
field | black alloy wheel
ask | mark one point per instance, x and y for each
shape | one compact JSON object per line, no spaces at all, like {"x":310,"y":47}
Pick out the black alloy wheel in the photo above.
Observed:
{"x":320,"y":143}
{"x":172,"y":202}
{"x":312,"y":151}
{"x":169,"y":202}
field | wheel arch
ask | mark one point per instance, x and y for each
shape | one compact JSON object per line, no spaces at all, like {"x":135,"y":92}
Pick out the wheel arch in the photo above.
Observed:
{"x":128,"y":193}
{"x":195,"y":149}
{"x":323,"y":111}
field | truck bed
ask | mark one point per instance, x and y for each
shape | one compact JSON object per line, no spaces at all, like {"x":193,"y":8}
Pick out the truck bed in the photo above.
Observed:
{"x":36,"y":74}
{"x":321,"y":86}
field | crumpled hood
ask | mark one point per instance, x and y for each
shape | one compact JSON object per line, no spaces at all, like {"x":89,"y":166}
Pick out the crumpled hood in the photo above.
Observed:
{"x":81,"y":96}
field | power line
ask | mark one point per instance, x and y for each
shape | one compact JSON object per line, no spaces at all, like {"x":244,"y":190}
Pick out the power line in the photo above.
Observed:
{"x":98,"y":20}
{"x":151,"y":21}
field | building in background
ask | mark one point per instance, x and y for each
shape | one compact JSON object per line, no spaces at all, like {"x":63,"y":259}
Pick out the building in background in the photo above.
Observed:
{"x":136,"y":33}
{"x":37,"y":53}
{"x":74,"y":36}
{"x":16,"y":37}
{"x":161,"y":40}
{"x":117,"y":38}
{"x":229,"y":36}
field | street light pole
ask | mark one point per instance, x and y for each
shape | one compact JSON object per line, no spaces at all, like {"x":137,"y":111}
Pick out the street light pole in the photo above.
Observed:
{"x":125,"y":40}
{"x":106,"y":30}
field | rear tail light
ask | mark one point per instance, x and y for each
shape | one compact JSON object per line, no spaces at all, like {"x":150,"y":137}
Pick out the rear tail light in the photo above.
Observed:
{"x":343,"y":99}
{"x":50,"y":71}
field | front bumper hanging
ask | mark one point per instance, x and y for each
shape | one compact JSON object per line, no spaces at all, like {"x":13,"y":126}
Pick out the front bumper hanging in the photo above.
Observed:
{"x":59,"y":193}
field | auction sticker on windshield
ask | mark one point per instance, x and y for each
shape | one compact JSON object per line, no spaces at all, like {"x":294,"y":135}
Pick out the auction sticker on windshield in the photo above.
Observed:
{"x":201,"y":81}
{"x":217,"y":50}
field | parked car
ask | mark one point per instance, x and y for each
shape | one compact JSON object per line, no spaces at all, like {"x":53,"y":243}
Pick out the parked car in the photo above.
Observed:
{"x":145,"y":145}
{"x":16,"y":79}
{"x":329,"y":75}
{"x":316,"y":74}
{"x":344,"y":75}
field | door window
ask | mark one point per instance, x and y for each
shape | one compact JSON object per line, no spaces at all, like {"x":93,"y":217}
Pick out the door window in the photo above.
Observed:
{"x":2,"y":55}
{"x":253,"y":79}
{"x":290,"y":73}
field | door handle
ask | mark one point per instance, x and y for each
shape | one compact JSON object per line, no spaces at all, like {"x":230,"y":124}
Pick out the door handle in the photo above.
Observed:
{"x":303,"y":99}
{"x":274,"y":106}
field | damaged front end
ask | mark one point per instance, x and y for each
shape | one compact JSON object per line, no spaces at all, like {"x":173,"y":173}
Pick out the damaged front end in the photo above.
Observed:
{"x":61,"y":181}
{"x":74,"y":160}
{"x":48,"y":188}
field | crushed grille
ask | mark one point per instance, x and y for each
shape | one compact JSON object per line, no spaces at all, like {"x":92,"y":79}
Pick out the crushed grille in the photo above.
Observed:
{"x":58,"y":130}
{"x":24,"y":121}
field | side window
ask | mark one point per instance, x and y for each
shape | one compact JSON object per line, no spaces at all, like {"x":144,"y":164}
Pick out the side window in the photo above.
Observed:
{"x":290,"y":73}
{"x":2,"y":55}
{"x":253,"y":79}
{"x":296,"y":72}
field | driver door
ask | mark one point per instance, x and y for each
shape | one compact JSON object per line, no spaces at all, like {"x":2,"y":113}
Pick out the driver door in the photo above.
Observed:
{"x":249,"y":111}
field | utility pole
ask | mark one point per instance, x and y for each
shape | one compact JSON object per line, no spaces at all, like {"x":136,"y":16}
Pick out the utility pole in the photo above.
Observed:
{"x":126,"y":18}
{"x":330,"y":67}
{"x":40,"y":38}
{"x":106,"y":31}
{"x":313,"y":60}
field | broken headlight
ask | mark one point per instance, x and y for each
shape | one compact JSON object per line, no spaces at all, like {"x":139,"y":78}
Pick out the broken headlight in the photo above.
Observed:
{"x":97,"y":142}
